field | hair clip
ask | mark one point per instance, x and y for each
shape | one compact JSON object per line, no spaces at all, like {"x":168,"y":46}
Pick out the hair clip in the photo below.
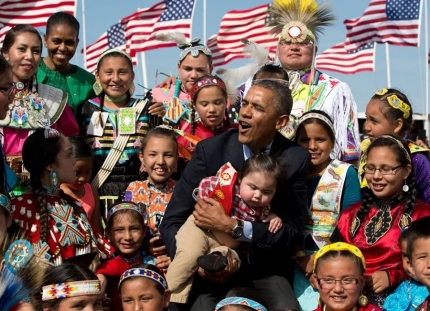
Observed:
{"x":397,"y":103}
{"x":146,"y":273}
{"x":382,"y":92}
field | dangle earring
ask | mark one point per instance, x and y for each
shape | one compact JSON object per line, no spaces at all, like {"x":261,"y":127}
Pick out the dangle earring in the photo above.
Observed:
{"x":97,"y":88}
{"x":131,"y":89}
{"x":363,"y":301}
{"x":405,"y":187}
{"x":53,"y":176}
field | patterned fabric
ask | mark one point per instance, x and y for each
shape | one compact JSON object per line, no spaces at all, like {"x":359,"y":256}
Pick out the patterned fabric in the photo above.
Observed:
{"x":407,"y":297}
{"x":324,"y":211}
{"x":76,"y":82}
{"x":154,"y":197}
{"x":385,"y":253}
{"x":127,"y":167}
{"x":70,"y":234}
{"x":239,"y":208}
{"x":420,"y":163}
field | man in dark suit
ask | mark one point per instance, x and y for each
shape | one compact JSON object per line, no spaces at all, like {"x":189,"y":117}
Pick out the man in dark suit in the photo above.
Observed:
{"x":266,"y":257}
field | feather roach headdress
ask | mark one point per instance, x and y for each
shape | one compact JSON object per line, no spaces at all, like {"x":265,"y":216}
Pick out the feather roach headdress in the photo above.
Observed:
{"x":192,"y":47}
{"x":298,"y":20}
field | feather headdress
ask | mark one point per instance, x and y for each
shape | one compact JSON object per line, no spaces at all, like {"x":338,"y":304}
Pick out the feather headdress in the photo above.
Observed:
{"x":298,"y":20}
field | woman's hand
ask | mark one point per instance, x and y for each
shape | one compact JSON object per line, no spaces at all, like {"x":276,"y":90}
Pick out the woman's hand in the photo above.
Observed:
{"x":167,"y":82}
{"x":378,"y":281}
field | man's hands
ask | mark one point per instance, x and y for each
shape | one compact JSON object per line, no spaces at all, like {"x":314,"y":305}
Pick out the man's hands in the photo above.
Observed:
{"x":209,"y":214}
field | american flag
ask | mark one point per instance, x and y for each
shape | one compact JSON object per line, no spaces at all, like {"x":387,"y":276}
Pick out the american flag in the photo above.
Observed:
{"x":33,"y":12}
{"x":136,"y":32}
{"x":338,"y":59}
{"x":173,"y":16}
{"x":385,"y":21}
{"x":239,"y":24}
{"x":114,"y":37}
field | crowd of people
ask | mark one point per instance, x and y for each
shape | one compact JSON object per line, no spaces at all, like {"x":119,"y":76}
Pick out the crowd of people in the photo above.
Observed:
{"x":201,"y":196}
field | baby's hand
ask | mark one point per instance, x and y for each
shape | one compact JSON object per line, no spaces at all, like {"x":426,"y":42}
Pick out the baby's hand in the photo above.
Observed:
{"x":275,"y":222}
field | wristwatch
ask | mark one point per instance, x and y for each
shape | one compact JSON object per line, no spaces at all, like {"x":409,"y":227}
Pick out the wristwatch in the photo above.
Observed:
{"x":237,"y":230}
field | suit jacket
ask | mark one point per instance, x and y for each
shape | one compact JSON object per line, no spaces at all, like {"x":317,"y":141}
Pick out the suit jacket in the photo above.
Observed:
{"x":289,"y":202}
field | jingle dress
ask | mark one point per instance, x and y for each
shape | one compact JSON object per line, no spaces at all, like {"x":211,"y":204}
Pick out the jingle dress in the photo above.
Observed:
{"x":113,"y":269}
{"x":329,"y":194}
{"x":377,"y":237}
{"x":70,"y":233}
{"x":153,"y":197}
{"x":127,"y":167}
{"x":76,"y":82}
{"x":330,"y":95}
{"x":420,"y":163}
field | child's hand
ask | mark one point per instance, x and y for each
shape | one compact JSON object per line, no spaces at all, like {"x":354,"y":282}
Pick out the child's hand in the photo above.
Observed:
{"x":162,"y":263}
{"x":154,"y":249}
{"x":378,"y":281}
{"x":275,"y":222}
{"x":157,"y":109}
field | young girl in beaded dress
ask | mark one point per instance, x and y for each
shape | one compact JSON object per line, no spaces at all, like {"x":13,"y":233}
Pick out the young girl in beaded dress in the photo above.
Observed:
{"x":158,"y":155}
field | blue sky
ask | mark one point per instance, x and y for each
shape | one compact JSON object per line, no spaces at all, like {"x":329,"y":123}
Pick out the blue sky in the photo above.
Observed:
{"x":408,"y":64}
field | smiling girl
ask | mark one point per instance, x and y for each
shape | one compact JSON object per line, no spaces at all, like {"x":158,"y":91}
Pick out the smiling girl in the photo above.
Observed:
{"x":61,"y":41}
{"x":115,"y":115}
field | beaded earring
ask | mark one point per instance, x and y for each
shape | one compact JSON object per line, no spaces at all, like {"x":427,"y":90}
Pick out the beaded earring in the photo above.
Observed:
{"x":363,"y":301}
{"x":97,"y":88}
{"x":53,"y":176}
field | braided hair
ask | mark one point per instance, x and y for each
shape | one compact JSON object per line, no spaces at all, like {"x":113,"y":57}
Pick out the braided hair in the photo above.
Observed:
{"x":403,"y":155}
{"x":37,"y":153}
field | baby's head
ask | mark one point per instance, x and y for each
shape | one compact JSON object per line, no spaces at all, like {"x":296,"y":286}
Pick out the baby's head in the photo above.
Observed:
{"x":259,"y":177}
{"x":418,"y":248}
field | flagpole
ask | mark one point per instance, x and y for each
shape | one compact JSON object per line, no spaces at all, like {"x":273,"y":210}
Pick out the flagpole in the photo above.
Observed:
{"x":387,"y":62}
{"x":84,"y":35}
{"x":426,"y":43}
{"x":144,"y":74}
{"x":204,"y":22}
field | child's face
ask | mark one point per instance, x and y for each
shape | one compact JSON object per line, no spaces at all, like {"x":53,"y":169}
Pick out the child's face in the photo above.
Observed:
{"x":210,"y":104}
{"x":405,"y":260}
{"x":86,"y":303}
{"x":126,"y":234}
{"x":420,"y":260}
{"x":64,"y":163}
{"x":140,"y":293}
{"x":159,"y":159}
{"x":5,"y":222}
{"x":115,"y":75}
{"x":257,"y":189}
{"x":376,"y":123}
{"x":84,"y":168}
{"x":317,"y":141}
{"x":338,"y":296}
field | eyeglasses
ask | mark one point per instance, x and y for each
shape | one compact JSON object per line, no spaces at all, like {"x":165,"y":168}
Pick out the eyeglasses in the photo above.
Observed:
{"x":289,"y":43}
{"x":329,"y":283}
{"x":7,"y":90}
{"x":383,"y":171}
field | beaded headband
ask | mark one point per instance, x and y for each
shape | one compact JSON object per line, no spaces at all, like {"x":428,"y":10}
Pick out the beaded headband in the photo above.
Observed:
{"x":188,"y":48}
{"x":408,"y":157}
{"x":395,"y":102}
{"x":115,"y":50}
{"x":209,"y":81}
{"x":240,"y":301}
{"x":71,"y":289}
{"x":340,"y":246}
{"x":318,"y":116}
{"x":125,"y":206}
{"x":146,"y":273}
{"x":5,"y":203}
